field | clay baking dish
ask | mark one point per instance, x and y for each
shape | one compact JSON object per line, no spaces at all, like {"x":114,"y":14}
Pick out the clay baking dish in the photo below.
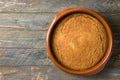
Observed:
{"x":91,"y":70}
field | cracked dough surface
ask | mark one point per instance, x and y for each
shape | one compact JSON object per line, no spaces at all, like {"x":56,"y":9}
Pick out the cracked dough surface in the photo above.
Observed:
{"x":79,"y":41}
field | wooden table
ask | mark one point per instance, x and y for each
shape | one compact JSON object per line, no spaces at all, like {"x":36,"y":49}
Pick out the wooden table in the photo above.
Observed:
{"x":23,"y":28}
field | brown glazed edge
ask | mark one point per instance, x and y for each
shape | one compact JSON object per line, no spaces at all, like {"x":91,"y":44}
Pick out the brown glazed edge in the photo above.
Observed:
{"x":97,"y":68}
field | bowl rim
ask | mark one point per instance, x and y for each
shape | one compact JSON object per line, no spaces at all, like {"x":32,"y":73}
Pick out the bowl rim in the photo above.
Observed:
{"x":99,"y":65}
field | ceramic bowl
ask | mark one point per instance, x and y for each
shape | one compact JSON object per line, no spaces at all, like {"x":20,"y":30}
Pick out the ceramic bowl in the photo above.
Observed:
{"x":99,"y":66}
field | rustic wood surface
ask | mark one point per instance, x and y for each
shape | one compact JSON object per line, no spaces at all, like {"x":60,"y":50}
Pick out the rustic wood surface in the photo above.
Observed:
{"x":23,"y":29}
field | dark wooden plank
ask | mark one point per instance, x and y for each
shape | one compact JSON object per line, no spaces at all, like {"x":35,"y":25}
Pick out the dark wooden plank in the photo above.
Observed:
{"x":115,"y":59}
{"x":22,"y":34}
{"x":25,"y":21}
{"x":40,"y":21}
{"x":25,"y":73}
{"x":52,"y":73}
{"x":58,"y":5}
{"x":15,"y":57}
{"x":22,"y":39}
{"x":115,"y":28}
{"x":111,"y":18}
{"x":23,"y":43}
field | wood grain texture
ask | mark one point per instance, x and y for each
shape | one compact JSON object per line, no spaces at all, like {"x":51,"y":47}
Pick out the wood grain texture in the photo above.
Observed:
{"x":23,"y":43}
{"x":39,"y":21}
{"x":22,"y":39}
{"x":23,"y":29}
{"x":25,"y":21}
{"x":52,"y":73}
{"x":17,"y":40}
{"x":22,"y":34}
{"x":27,"y":57}
{"x":15,"y":57}
{"x":57,"y":5}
